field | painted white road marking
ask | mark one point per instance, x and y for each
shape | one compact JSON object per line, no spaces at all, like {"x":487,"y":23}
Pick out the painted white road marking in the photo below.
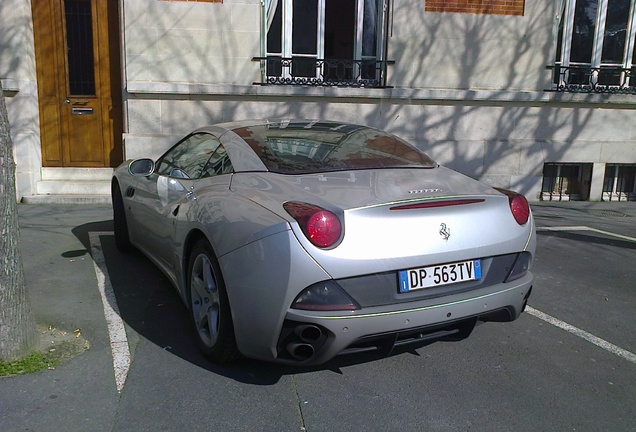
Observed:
{"x":119,"y":341}
{"x":585,"y":228}
{"x":602,"y":343}
{"x":116,"y":329}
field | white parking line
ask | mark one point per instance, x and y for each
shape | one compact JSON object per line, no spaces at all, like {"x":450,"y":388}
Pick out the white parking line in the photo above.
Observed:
{"x":602,"y":343}
{"x":119,"y":341}
{"x":585,"y":228}
{"x":116,"y":330}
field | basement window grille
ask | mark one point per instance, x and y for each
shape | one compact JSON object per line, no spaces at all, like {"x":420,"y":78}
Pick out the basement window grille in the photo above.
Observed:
{"x":620,"y":182}
{"x":566,"y":181}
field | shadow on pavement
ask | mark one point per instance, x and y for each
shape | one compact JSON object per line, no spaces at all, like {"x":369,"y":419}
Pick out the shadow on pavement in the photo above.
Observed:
{"x":151,"y":306}
{"x":589,"y":238}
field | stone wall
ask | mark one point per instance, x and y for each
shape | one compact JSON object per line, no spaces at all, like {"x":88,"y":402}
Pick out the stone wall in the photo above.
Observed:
{"x":17,"y":71}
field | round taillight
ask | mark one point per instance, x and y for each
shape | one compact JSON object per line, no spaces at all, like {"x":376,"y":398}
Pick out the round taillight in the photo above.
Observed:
{"x":518,"y":205}
{"x":320,"y":226}
{"x":520,"y":209}
{"x":323,"y":228}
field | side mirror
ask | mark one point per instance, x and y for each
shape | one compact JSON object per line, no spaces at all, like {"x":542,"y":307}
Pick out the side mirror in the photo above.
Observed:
{"x":141,"y":167}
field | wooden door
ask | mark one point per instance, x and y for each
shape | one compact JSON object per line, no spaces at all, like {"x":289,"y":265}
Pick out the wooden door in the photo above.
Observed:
{"x":77,"y":63}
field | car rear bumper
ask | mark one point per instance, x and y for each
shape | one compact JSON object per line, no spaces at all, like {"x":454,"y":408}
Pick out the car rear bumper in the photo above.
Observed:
{"x":262,"y":286}
{"x":310,"y":338}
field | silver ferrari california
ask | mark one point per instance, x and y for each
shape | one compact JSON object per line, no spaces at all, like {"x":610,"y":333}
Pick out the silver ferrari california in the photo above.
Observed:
{"x":295,"y":241}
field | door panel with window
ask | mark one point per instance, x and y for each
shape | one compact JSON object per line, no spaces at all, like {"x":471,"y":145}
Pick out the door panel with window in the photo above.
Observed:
{"x":596,"y":45}
{"x":159,"y":197}
{"x":339,"y":42}
{"x":78,"y":79}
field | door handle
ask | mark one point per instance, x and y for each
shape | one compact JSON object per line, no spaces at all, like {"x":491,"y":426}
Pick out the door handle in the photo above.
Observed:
{"x":190,"y":194}
{"x":76,"y":102}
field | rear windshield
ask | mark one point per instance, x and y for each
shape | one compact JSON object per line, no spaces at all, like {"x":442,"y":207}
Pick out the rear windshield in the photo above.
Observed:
{"x":302,"y":147}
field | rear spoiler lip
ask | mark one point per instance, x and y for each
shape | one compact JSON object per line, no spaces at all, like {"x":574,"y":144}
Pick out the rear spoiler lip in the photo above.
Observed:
{"x":438,"y":203}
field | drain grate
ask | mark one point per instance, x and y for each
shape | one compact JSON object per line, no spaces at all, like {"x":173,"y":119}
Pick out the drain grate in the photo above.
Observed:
{"x":607,"y":213}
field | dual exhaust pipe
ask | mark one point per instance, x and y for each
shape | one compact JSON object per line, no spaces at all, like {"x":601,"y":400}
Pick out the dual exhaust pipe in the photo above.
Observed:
{"x":309,"y":339}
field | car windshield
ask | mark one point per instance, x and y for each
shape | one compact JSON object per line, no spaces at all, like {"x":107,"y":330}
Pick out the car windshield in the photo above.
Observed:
{"x":289,"y":147}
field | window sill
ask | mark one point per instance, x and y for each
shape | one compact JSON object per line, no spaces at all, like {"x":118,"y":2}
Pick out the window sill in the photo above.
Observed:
{"x":181,"y":90}
{"x":10,"y":86}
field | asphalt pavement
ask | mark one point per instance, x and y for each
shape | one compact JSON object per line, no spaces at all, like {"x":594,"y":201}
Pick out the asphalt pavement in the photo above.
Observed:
{"x":171,"y":387}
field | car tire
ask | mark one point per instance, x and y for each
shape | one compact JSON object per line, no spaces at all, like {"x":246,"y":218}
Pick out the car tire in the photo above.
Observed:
{"x":209,"y":306}
{"x":120,"y":225}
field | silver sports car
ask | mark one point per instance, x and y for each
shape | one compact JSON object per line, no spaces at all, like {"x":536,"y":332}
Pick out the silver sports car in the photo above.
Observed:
{"x":295,"y":241}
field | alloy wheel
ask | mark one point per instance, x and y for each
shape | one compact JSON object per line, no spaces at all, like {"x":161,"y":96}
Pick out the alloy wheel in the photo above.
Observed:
{"x":205,"y":301}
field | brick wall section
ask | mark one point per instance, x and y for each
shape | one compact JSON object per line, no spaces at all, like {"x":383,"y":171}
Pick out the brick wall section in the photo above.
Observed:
{"x":491,"y":7}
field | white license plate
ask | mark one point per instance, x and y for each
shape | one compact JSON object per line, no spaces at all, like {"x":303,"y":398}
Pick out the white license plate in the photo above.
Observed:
{"x":427,"y":277}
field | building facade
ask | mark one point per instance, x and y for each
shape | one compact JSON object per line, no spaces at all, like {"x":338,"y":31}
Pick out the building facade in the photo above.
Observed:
{"x":535,"y":96}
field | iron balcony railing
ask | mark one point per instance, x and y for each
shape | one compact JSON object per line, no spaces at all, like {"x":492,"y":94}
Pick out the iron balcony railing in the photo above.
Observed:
{"x":586,"y":79}
{"x":303,"y":71}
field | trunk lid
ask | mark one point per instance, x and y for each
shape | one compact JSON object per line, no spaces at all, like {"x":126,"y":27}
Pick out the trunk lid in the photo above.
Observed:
{"x":395,"y":218}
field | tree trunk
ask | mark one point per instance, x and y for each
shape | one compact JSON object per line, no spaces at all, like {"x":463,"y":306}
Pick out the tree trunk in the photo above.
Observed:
{"x":18,"y":333}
